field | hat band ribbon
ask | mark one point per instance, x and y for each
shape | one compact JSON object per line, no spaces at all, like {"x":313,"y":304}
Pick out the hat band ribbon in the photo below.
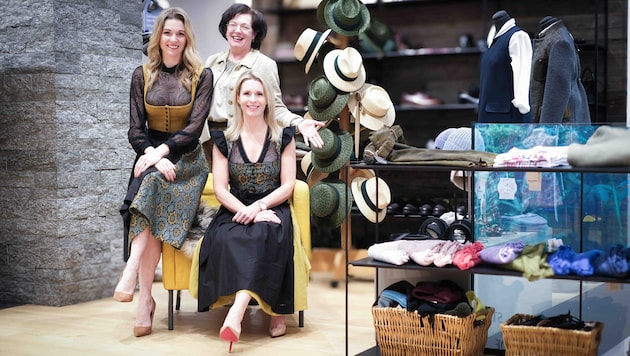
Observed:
{"x":312,"y":46}
{"x":330,"y":159}
{"x":368,"y":201}
{"x":340,"y":73}
{"x":343,"y":24}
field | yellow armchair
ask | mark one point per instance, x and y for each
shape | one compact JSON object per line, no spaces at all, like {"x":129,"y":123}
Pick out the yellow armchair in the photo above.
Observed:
{"x":176,"y":265}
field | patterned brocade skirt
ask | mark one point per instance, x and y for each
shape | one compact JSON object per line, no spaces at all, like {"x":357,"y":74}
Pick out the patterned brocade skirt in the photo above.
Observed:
{"x":169,"y":208}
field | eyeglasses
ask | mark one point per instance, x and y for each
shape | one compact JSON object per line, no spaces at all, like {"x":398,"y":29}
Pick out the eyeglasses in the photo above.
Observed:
{"x":245,"y":27}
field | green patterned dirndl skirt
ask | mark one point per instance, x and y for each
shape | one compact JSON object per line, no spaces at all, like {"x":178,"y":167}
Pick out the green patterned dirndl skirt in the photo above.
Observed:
{"x":169,"y":208}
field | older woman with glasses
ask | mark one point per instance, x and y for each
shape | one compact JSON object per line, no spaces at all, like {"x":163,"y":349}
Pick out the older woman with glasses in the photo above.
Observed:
{"x":245,"y":28}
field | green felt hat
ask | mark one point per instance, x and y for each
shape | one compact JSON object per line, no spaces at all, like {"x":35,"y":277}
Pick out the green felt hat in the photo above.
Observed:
{"x":335,"y":151}
{"x":347,"y":17}
{"x":325,"y":102}
{"x":377,"y":38}
{"x":331,"y":201}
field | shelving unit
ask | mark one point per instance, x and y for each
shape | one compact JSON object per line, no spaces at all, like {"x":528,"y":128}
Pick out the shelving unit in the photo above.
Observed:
{"x":413,"y":268}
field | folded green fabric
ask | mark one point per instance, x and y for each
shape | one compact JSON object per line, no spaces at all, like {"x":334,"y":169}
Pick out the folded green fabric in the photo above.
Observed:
{"x":532,"y":262}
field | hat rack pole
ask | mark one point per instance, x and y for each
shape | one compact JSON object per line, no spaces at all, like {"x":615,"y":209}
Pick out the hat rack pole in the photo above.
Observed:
{"x":346,"y":225}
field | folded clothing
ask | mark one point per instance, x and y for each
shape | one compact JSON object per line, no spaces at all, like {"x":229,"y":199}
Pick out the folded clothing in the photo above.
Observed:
{"x":501,"y":254}
{"x":614,"y":262}
{"x":389,"y":252}
{"x":445,"y":292}
{"x":468,"y":256}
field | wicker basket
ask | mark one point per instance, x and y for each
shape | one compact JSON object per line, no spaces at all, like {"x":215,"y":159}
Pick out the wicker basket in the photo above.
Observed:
{"x":524,"y":340}
{"x":400,"y":332}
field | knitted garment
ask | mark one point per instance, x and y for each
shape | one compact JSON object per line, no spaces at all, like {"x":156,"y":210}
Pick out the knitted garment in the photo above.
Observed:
{"x":614,"y":262}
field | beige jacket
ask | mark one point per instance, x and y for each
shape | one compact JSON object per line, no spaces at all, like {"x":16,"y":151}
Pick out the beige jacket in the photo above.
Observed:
{"x":222,"y":107}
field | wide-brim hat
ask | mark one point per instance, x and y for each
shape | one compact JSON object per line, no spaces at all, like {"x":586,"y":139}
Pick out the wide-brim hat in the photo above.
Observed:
{"x":335,"y":151}
{"x":307,"y":46}
{"x":313,"y":175}
{"x":373,"y":107}
{"x":325,"y":102}
{"x":372,"y":196}
{"x":320,"y":13}
{"x":331,"y":201}
{"x":346,"y":17}
{"x":378,"y":37}
{"x":344,"y":69}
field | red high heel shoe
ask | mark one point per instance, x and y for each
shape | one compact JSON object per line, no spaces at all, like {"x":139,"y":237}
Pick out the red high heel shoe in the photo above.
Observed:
{"x":230,"y":334}
{"x":139,"y":331}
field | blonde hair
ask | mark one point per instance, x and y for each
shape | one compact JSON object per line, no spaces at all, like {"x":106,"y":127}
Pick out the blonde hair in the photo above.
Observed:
{"x":190,"y":58}
{"x":233,"y":131}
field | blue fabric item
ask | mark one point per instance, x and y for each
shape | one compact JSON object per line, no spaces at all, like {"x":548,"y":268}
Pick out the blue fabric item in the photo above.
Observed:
{"x":397,"y":297}
{"x":582,"y":264}
{"x":561,"y":260}
{"x":385,"y":302}
{"x":613,"y":263}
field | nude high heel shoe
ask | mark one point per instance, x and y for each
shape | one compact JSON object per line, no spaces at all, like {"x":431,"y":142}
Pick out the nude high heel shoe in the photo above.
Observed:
{"x":279,"y":329}
{"x":139,"y":331}
{"x":122,"y":296}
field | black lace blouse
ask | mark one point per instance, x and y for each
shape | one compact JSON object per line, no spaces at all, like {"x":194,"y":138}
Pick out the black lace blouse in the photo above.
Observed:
{"x":167,"y":90}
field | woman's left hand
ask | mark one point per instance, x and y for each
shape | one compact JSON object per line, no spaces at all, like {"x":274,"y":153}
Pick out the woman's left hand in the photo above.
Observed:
{"x":267,"y":215}
{"x":309,"y":128}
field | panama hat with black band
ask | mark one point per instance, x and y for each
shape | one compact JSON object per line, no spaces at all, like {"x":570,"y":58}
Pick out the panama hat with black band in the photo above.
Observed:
{"x":344,"y":69}
{"x":307,"y":46}
{"x":372,"y":196}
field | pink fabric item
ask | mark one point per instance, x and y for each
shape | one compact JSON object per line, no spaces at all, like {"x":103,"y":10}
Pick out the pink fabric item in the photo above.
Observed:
{"x":445,"y":255}
{"x":468,"y":257}
{"x":422,"y":251}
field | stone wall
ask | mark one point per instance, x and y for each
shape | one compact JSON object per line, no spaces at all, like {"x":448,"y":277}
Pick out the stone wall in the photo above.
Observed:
{"x":65,"y":69}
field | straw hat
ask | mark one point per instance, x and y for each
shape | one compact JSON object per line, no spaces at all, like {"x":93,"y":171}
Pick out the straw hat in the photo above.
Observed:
{"x":372,"y":201}
{"x":346,"y":17}
{"x":331,"y":202}
{"x":313,"y":175}
{"x":324,"y":101}
{"x":335,"y":151}
{"x":373,"y":107}
{"x":344,"y":69}
{"x":378,"y":37}
{"x":308,"y":45}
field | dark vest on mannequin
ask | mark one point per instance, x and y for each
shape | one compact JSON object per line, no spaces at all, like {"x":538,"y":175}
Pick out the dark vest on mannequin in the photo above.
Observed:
{"x":556,"y":91}
{"x":496,"y":88}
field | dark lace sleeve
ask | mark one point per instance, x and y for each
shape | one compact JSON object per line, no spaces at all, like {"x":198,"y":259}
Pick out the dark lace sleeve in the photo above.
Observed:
{"x":137,"y":114}
{"x":288,"y":133}
{"x":218,"y":138}
{"x":201,"y":107}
